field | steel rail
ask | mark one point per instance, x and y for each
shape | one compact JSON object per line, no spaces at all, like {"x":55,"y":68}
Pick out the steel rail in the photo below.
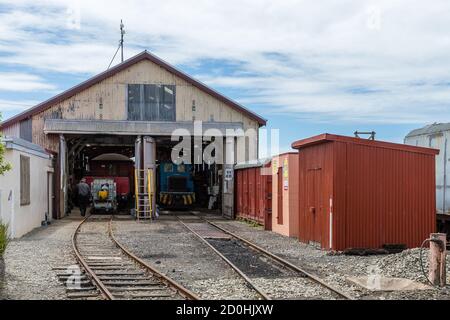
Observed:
{"x":163,"y":278}
{"x":231,"y":264}
{"x":280,"y":260}
{"x":91,"y":274}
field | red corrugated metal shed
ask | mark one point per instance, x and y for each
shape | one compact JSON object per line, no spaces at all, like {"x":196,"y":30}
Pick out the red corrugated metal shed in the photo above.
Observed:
{"x":357,"y":193}
{"x":253,"y":192}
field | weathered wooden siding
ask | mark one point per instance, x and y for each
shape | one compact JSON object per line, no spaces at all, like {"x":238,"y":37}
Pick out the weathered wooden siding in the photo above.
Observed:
{"x":108,"y":100}
{"x":12,"y":130}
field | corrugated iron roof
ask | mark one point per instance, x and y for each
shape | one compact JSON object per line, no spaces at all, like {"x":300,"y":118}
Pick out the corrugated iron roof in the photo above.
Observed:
{"x":326,"y":137}
{"x":429,"y":129}
{"x":252,"y":164}
{"x":145,"y":55}
{"x":10,"y":141}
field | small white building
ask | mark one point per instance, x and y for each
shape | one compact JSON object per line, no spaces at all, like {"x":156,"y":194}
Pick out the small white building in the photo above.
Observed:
{"x":26,"y":190}
{"x":437,"y":136}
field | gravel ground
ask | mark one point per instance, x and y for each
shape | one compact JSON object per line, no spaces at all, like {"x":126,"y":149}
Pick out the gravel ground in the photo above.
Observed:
{"x":336,"y":268}
{"x":249,"y":261}
{"x":167,"y":245}
{"x":293,"y":288}
{"x":271,"y":277}
{"x":30,"y":259}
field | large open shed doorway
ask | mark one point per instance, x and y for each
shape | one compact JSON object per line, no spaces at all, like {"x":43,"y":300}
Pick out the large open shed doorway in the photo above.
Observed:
{"x":111,"y":160}
{"x":105,"y":162}
{"x":191,"y":185}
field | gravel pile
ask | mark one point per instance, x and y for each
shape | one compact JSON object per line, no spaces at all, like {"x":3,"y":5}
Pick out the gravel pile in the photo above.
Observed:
{"x":405,"y":265}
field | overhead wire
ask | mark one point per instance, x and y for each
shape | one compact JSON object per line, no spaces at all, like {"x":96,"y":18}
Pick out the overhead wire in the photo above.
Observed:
{"x":114,"y":56}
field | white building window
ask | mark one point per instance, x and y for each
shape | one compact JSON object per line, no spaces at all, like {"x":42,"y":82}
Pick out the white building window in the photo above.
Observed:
{"x":24,"y":180}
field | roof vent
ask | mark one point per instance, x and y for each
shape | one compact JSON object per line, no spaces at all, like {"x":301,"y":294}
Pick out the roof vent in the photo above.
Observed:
{"x":371,"y":134}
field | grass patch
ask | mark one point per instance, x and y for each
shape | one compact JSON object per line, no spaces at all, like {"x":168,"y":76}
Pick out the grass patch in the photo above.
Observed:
{"x":249,"y":222}
{"x":4,"y":239}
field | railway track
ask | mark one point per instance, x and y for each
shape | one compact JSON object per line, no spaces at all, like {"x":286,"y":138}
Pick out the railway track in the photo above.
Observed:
{"x":110,"y":271}
{"x":212,"y":239}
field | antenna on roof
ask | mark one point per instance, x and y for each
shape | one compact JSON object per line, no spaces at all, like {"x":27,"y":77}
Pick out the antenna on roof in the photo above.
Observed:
{"x":122,"y":32}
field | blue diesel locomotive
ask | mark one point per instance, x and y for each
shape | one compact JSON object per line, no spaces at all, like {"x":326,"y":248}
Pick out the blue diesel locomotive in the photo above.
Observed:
{"x":176,"y":186}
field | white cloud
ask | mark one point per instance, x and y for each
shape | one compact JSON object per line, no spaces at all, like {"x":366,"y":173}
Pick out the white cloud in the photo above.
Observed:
{"x":23,"y":82}
{"x":16,"y":105}
{"x":309,"y":59}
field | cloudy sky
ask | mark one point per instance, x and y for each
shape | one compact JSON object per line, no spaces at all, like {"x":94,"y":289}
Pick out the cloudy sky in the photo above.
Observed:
{"x":307,"y":66}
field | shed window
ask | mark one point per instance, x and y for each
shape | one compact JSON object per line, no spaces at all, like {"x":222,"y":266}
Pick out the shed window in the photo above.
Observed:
{"x":26,"y":128}
{"x":24,"y":180}
{"x":151,"y":102}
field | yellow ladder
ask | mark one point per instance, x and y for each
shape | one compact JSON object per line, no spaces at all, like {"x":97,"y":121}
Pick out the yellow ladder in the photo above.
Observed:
{"x":144,"y":193}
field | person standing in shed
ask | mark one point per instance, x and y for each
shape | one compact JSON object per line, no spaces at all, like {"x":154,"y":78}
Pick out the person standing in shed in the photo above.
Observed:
{"x":84,"y":192}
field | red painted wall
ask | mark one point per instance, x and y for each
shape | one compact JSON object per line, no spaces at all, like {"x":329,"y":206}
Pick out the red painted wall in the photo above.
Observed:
{"x":252,"y":191}
{"x":355,"y":194}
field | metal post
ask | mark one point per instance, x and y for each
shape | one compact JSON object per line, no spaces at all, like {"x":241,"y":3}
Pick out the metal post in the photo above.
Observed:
{"x":149,"y":165}
{"x":137,"y":172}
{"x":63,"y":176}
{"x":437,"y":272}
{"x":136,"y":193}
{"x":150,"y":191}
{"x":228,"y":179}
{"x":122,"y":32}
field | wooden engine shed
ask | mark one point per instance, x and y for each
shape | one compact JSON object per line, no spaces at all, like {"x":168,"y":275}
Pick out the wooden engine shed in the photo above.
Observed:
{"x":133,"y":109}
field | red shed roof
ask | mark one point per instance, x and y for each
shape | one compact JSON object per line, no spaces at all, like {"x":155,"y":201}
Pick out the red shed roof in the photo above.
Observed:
{"x":326,"y":137}
{"x":145,"y":55}
{"x":286,"y":153}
